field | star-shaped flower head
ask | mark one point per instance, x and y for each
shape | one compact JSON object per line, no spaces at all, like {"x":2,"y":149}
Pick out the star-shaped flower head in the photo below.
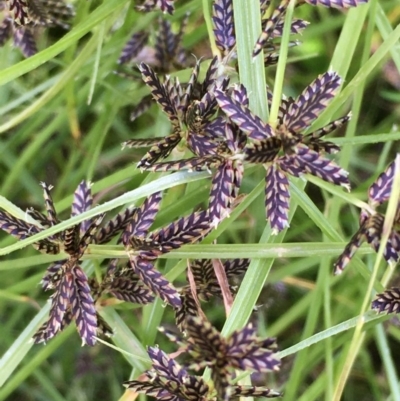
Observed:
{"x":219,"y":145}
{"x":284,"y":150}
{"x":72,"y":298}
{"x":274,"y":24}
{"x":224,"y":30}
{"x":166,"y":6}
{"x":22,"y":18}
{"x":189,"y":109}
{"x":168,"y":381}
{"x":143,"y":247}
{"x":242,"y":350}
{"x":371,"y":225}
{"x":206,"y":285}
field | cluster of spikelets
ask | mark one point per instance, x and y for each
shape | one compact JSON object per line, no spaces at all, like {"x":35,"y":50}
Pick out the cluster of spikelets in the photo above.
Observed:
{"x":372,"y":230}
{"x":23,"y":19}
{"x":212,"y":120}
{"x":74,"y":296}
{"x":205,"y":347}
{"x":217,"y":126}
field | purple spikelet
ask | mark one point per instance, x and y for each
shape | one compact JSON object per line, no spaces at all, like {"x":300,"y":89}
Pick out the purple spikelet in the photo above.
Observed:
{"x":224,"y":29}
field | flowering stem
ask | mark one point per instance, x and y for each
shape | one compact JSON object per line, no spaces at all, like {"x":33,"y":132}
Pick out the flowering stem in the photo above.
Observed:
{"x":209,"y":25}
{"x":280,"y":72}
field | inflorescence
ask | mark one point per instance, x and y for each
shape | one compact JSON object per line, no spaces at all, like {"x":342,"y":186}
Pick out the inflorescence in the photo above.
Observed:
{"x":212,"y":120}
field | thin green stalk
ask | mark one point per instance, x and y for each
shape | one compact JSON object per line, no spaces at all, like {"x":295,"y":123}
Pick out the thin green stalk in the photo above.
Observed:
{"x":122,"y":351}
{"x":16,"y":211}
{"x":388,"y":362}
{"x":385,"y":28}
{"x":340,"y":193}
{"x":325,"y":266}
{"x":100,"y":40}
{"x":280,"y":72}
{"x":332,"y":331}
{"x":348,"y":31}
{"x":209,"y":24}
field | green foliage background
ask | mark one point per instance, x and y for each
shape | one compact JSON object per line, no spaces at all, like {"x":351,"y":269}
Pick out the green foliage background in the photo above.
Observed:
{"x":64,"y":116}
